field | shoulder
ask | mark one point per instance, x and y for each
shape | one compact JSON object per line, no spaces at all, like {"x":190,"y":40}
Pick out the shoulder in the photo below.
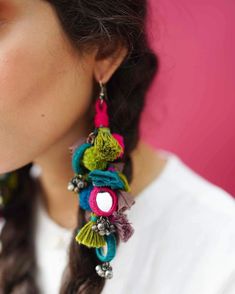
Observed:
{"x":198,"y":194}
{"x":194,"y":203}
{"x":203,"y":213}
{"x":199,"y":222}
{"x":191,"y":208}
{"x":179,"y":192}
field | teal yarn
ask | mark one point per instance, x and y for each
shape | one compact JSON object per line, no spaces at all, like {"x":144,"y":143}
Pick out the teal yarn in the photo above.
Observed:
{"x":101,"y":178}
{"x":77,"y":156}
{"x":93,"y":218}
{"x":84,"y":195}
{"x":111,"y":249}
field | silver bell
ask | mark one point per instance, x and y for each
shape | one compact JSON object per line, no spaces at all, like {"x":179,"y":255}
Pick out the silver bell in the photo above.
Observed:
{"x":102,"y":233}
{"x":70,"y":186}
{"x":77,"y":183}
{"x":98,"y":267}
{"x":94,"y":228}
{"x":108,"y":274}
{"x":104,"y":270}
{"x":101,"y":226}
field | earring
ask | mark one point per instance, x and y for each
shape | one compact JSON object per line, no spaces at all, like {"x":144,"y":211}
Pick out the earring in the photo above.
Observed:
{"x":101,"y":187}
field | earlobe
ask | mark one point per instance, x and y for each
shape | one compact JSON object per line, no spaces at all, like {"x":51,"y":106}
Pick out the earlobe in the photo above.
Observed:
{"x":107,"y":64}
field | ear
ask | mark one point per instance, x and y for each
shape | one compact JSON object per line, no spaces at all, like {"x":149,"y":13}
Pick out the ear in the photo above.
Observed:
{"x":108,"y":60}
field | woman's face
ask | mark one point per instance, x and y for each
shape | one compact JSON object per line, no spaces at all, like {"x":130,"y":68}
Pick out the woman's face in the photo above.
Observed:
{"x":45,"y":87}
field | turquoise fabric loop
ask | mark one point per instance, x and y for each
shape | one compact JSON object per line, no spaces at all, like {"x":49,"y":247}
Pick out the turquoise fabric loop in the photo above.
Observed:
{"x":111,"y":249}
{"x":77,"y":156}
{"x":101,"y":178}
{"x":84,"y":195}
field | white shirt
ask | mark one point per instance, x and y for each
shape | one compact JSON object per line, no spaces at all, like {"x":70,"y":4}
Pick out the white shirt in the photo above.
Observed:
{"x":184,"y":239}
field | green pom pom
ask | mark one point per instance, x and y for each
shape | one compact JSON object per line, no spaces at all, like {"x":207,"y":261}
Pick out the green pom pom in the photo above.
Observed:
{"x":91,"y":160}
{"x":125,"y":182}
{"x":106,"y":145}
{"x":88,"y":237}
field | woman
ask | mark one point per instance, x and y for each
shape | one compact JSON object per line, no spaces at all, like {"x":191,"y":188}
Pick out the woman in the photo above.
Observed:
{"x":54,"y":56}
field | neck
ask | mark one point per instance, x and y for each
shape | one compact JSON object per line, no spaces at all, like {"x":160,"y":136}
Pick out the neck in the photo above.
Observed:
{"x":55,"y":164}
{"x":61,"y":204}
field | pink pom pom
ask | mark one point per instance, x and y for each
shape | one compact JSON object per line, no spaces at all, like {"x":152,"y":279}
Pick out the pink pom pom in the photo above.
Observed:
{"x":101,"y":118}
{"x":120,"y":140}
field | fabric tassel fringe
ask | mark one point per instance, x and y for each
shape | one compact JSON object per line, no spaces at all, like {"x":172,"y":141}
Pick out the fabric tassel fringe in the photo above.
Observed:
{"x":124,"y":228}
{"x":89,"y":237}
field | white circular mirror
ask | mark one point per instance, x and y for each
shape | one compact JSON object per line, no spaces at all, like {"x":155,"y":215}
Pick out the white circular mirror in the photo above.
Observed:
{"x":104,"y":201}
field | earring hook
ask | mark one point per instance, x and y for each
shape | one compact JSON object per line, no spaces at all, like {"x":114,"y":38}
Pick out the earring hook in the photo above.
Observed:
{"x":102,"y":91}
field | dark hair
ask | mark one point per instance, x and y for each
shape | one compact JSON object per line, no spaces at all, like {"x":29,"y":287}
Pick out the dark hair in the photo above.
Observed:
{"x":87,"y":23}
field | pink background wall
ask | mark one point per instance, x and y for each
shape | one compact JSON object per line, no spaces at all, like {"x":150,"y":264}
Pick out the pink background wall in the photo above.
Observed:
{"x":190,"y":107}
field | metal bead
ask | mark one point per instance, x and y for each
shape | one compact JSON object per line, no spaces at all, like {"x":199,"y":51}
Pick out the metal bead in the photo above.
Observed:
{"x":104,"y":267}
{"x":101,"y":273}
{"x":104,"y":270}
{"x":108,"y":274}
{"x":101,"y":226}
{"x":106,"y":264}
{"x":98,"y":267}
{"x":70,"y":186}
{"x":77,"y":183}
{"x":74,"y":181}
{"x":81,"y":185}
{"x":76,"y":189}
{"x":102,"y":233}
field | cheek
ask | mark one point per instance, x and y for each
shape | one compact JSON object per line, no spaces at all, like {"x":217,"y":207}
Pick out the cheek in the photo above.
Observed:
{"x":41,"y":96}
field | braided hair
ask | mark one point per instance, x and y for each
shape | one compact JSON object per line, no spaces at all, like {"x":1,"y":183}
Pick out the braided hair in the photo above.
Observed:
{"x":86,"y":23}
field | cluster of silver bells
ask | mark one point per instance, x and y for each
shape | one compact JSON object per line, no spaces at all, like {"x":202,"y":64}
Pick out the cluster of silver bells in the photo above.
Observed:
{"x":103,"y":226}
{"x":77,"y":183}
{"x":104,"y":270}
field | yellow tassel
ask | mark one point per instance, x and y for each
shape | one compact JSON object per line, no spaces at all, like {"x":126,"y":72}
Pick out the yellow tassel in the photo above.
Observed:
{"x":106,"y":145}
{"x":89,"y":237}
